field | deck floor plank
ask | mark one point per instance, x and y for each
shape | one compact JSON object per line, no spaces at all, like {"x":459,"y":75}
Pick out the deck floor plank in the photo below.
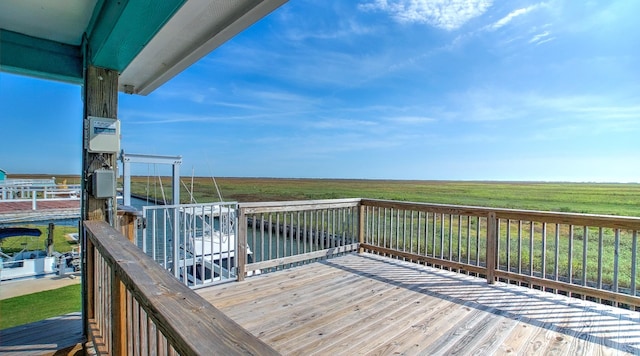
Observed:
{"x":42,"y":337}
{"x":369,"y":304}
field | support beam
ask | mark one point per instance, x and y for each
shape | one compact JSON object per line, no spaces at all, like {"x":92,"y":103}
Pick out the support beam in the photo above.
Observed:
{"x":121,"y":29}
{"x":40,"y":58}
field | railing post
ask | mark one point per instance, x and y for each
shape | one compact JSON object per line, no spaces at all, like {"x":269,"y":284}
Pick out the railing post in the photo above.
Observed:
{"x":241,"y":241}
{"x":361,"y":227}
{"x":118,"y":315}
{"x":492,"y":245}
{"x":128,"y":218}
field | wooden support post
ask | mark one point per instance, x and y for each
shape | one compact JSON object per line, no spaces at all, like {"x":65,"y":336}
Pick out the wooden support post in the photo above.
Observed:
{"x":242,"y":245}
{"x":100,"y":94}
{"x":100,"y":100}
{"x":492,"y":245}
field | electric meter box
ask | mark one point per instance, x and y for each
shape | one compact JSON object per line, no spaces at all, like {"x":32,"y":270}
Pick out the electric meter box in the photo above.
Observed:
{"x":104,"y":135}
{"x":103,"y":184}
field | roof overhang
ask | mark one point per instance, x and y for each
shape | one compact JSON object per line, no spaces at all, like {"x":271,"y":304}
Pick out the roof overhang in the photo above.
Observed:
{"x":147,"y":41}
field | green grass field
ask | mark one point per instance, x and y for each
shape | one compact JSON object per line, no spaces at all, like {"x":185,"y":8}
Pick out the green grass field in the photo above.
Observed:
{"x":594,"y":198}
{"x":610,"y":198}
{"x":38,"y":306}
{"x":60,"y":241}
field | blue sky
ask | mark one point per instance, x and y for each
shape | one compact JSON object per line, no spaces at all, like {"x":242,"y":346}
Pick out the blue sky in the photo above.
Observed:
{"x":396,"y":89}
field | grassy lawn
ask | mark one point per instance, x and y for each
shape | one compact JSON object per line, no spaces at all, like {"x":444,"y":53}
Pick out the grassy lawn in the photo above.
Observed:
{"x":60,"y":241}
{"x":38,"y":306}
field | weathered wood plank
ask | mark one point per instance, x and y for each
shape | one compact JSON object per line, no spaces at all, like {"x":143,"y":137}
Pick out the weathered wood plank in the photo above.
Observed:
{"x":391,"y":306}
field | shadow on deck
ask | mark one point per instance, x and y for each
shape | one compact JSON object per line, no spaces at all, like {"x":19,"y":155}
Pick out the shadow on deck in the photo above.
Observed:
{"x":368,"y":304}
{"x":59,"y":335}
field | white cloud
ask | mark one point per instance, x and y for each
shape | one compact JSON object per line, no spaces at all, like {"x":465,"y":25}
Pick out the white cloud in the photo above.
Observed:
{"x":445,"y":14}
{"x":513,"y":14}
{"x":541,"y":38}
{"x":411,"y":120}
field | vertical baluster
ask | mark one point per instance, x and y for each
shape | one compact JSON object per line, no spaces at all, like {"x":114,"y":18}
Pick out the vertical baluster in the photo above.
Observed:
{"x":634,"y":255}
{"x":384,"y":229}
{"x":253,"y":238}
{"x":393,"y":234}
{"x":411,"y":237}
{"x":468,"y":239}
{"x":298,"y":232}
{"x":323,"y":230}
{"x":600,"y":246}
{"x":497,"y":247}
{"x":263,"y":243}
{"x":616,"y":261}
{"x":419,"y":231}
{"x":442,"y":236}
{"x":478,"y":228}
{"x":508,"y":246}
{"x":531,"y":233}
{"x":130,"y":324}
{"x":585,"y":246}
{"x":450,"y":237}
{"x":270,"y":236}
{"x":519,"y":248}
{"x":459,"y":238}
{"x":570,"y":256}
{"x":305,"y":234}
{"x":379,"y":223}
{"x":119,"y":315}
{"x":433,"y":235}
{"x":334,"y":228}
{"x":404,"y":229}
{"x":544,"y":252}
{"x":556,"y":270}
{"x":426,"y":233}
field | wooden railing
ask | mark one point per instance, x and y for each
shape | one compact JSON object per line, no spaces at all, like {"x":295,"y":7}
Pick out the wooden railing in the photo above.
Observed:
{"x":283,"y":234}
{"x":135,"y":307}
{"x":582,"y":255}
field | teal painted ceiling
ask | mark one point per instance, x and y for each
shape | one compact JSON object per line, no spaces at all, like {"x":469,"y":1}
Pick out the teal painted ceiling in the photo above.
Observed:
{"x":146,"y":41}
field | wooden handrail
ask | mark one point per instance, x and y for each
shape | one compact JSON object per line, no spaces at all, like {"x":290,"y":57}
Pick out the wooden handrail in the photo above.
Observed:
{"x":490,"y":235}
{"x":190,"y":324}
{"x":608,"y":221}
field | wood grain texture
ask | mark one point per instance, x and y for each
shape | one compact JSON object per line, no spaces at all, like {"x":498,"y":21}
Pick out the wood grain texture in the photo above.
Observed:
{"x":369,"y":304}
{"x":190,"y":324}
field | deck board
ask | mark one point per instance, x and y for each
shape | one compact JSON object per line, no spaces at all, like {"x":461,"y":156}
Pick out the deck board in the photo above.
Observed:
{"x":42,"y":337}
{"x":368,"y":304}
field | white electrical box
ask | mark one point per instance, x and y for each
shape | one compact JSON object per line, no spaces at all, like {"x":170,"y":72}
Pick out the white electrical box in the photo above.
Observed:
{"x":103,"y":184}
{"x":104,"y":135}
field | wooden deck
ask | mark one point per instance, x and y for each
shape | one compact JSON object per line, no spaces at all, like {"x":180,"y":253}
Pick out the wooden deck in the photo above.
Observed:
{"x":368,"y":304}
{"x":21,"y":211}
{"x":59,"y":335}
